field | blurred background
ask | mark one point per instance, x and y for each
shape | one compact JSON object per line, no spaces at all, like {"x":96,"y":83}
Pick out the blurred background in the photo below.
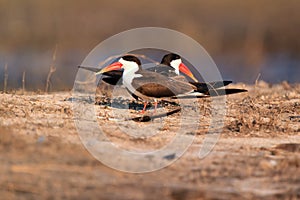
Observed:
{"x":245,"y":38}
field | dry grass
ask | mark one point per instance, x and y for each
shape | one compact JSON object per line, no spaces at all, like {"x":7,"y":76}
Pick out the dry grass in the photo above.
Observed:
{"x":273,"y":117}
{"x":23,"y":82}
{"x":51,"y":70}
{"x":256,"y":157}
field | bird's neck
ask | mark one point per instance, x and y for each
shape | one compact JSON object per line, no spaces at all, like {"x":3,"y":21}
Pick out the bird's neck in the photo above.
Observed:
{"x":177,"y":71}
{"x":128,"y":76}
{"x":130,"y":72}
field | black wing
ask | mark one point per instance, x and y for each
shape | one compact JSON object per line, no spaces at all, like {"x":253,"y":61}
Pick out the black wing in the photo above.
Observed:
{"x":163,"y":70}
{"x":156,"y":85}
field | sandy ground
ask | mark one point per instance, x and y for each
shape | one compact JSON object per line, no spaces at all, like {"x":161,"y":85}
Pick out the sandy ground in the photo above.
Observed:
{"x":256,"y":157}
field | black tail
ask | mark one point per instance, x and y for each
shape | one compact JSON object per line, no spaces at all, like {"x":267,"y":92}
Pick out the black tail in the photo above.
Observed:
{"x":205,"y":87}
{"x":220,"y":92}
{"x":213,"y":93}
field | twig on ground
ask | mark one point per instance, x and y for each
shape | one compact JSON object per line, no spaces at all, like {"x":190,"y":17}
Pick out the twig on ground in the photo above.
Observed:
{"x":146,"y":118}
{"x":5,"y":78}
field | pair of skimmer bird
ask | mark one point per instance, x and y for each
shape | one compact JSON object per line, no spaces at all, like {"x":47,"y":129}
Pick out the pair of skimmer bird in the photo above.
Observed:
{"x":161,"y":81}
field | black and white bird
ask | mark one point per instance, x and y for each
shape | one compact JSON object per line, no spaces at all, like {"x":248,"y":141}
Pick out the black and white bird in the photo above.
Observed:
{"x":171,"y":66}
{"x":148,"y":85}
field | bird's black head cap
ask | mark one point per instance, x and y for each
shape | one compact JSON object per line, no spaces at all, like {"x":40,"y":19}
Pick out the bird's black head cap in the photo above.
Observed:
{"x":132,"y":59}
{"x":168,"y":58}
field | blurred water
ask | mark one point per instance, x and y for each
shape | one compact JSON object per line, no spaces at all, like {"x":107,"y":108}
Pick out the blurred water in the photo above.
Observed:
{"x":278,"y":68}
{"x":273,"y":69}
{"x":36,"y":65}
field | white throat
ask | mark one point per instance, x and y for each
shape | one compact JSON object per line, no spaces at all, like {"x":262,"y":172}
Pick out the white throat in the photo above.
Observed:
{"x":130,"y":69}
{"x":175,"y":64}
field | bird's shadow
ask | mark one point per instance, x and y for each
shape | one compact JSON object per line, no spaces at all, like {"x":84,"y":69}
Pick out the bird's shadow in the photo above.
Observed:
{"x":120,"y":103}
{"x":126,"y":104}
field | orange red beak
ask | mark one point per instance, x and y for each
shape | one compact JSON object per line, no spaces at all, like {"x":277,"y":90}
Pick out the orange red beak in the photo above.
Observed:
{"x":114,"y":66}
{"x":184,"y":69}
{"x":117,"y":65}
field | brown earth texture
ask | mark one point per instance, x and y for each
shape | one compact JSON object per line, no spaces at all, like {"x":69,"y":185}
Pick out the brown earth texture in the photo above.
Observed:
{"x":257,"y":154}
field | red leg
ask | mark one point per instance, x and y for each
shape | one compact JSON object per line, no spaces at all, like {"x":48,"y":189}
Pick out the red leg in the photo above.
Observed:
{"x":155,"y":105}
{"x":145,"y":105}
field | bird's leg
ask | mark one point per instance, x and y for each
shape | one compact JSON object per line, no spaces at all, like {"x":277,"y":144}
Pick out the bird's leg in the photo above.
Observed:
{"x":145,"y":105}
{"x":155,"y":105}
